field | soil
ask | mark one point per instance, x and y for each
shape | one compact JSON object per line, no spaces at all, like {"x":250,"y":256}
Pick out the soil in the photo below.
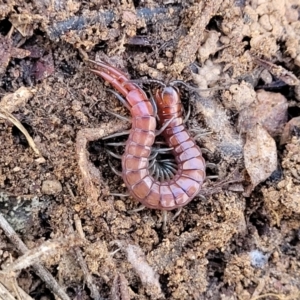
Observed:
{"x":238,"y":240}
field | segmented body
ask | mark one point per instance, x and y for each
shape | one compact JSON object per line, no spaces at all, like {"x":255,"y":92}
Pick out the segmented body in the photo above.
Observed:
{"x":187,"y":182}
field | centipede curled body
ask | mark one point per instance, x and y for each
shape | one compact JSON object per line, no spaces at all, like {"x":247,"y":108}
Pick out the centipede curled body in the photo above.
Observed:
{"x":188,"y":180}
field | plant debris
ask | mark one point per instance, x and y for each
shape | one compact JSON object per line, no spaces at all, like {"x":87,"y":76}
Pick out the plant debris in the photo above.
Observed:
{"x":260,"y":155}
{"x":8,"y":51}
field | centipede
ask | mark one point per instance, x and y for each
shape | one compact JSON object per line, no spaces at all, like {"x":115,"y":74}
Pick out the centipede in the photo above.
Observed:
{"x":188,"y":179}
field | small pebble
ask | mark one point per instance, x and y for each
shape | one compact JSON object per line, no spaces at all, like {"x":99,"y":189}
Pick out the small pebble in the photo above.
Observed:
{"x":51,"y":187}
{"x":160,"y":66}
{"x":40,"y":160}
{"x":258,"y":259}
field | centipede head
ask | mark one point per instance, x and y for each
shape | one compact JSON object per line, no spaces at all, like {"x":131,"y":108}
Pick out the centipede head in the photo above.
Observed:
{"x":167,"y":97}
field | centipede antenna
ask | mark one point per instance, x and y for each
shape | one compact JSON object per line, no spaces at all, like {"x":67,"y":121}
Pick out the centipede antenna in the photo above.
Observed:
{"x":137,"y":209}
{"x":123,"y":118}
{"x":176,"y":82}
{"x":194,"y":88}
{"x":178,"y":212}
{"x":153,"y":103}
{"x":141,"y":81}
{"x":119,"y":195}
{"x":116,"y":144}
{"x":165,"y":125}
{"x":117,"y":172}
{"x":188,"y":114}
{"x":113,"y":154}
{"x":120,"y":98}
{"x":125,"y":132}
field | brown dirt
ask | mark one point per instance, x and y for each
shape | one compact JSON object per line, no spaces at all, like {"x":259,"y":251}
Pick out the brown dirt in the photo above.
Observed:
{"x":225,"y":247}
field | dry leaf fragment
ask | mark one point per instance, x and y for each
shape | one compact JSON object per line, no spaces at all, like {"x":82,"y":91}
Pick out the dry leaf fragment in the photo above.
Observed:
{"x":7,"y":51}
{"x":292,"y":126}
{"x":260,"y":155}
{"x":23,"y":23}
{"x":279,"y":72}
{"x":269,"y":110}
{"x":12,"y":101}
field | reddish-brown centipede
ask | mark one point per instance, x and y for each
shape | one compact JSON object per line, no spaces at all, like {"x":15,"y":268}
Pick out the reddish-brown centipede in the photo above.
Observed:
{"x":187,"y":182}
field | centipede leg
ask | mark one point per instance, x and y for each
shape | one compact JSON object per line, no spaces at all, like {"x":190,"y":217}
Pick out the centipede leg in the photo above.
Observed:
{"x":205,"y":150}
{"x":119,"y":195}
{"x":116,"y":144}
{"x":161,"y":174}
{"x":156,"y":172}
{"x":167,"y":176}
{"x":152,"y":164}
{"x":162,"y":150}
{"x":211,"y":166}
{"x":202,"y":197}
{"x":114,"y":154}
{"x":201,"y":134}
{"x":178,"y":212}
{"x":114,"y":169}
{"x":125,"y":132}
{"x":153,"y":103}
{"x":165,"y":220}
{"x":140,"y":208}
{"x":153,"y":156}
{"x":120,"y":98}
{"x":159,"y":131}
{"x":212,"y":177}
{"x":123,"y":118}
{"x":188,"y":114}
{"x":171,"y":172}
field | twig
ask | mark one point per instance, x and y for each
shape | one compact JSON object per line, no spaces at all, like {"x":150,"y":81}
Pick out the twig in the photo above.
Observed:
{"x":105,"y":18}
{"x":10,"y":283}
{"x":41,"y":252}
{"x":87,"y":275}
{"x":41,"y":271}
{"x":5,"y":294}
{"x":78,"y":226}
{"x":88,"y":171}
{"x":119,"y":290}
